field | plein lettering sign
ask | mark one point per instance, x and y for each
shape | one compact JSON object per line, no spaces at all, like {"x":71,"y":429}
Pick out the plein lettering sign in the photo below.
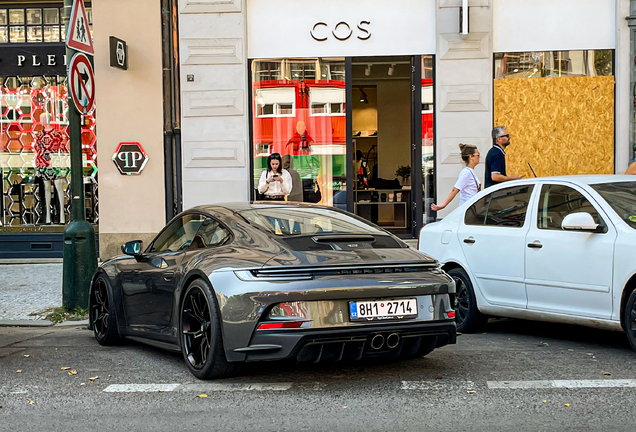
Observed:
{"x":36,"y":59}
{"x":130,"y":158}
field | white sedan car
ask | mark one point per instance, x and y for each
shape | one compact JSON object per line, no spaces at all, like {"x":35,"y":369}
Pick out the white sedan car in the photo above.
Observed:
{"x":551,"y":249}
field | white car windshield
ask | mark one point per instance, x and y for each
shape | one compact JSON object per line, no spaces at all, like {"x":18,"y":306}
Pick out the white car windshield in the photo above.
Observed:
{"x":621,"y":196}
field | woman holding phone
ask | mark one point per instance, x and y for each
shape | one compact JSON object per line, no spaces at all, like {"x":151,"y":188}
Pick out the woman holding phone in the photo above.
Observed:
{"x":276,"y":182}
{"x":467,"y":183}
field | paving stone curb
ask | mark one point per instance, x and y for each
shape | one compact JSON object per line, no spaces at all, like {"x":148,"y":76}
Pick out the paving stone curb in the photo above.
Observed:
{"x":25,"y":323}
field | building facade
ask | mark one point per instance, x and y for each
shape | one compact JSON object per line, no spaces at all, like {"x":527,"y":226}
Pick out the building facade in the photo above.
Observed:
{"x":402,"y":83}
{"x":366,"y":101}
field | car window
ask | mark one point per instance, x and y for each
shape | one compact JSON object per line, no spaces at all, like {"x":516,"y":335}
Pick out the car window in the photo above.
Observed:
{"x":179,"y":234}
{"x":476,"y":214}
{"x":508,"y":207}
{"x":558,"y":201}
{"x":621,"y":196}
{"x":286,"y":221}
{"x":210,"y":234}
{"x":504,"y":207}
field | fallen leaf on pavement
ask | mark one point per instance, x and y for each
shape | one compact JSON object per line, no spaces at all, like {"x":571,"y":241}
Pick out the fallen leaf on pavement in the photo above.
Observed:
{"x":203,"y":395}
{"x":27,"y":356}
{"x":72,"y":372}
{"x":607,"y":373}
{"x":65,"y":367}
{"x":0,"y":406}
{"x":471,"y":391}
{"x":345,"y":407}
{"x":82,"y":384}
{"x":439,"y":377}
{"x":31,"y":402}
{"x":567,"y":405}
{"x":93,"y":378}
{"x":545,"y":401}
{"x":161,"y":390}
{"x":18,"y":371}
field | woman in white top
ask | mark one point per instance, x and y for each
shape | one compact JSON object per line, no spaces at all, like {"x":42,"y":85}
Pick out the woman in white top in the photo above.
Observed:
{"x":276,"y":182}
{"x":467,"y":183}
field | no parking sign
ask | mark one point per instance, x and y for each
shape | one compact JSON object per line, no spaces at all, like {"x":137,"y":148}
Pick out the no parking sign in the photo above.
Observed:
{"x":81,"y":82}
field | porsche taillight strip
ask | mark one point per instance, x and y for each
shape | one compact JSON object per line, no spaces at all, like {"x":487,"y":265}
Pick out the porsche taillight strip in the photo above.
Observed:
{"x":343,"y":270}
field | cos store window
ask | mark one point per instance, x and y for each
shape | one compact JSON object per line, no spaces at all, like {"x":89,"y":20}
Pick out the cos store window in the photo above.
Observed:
{"x":298,"y":111}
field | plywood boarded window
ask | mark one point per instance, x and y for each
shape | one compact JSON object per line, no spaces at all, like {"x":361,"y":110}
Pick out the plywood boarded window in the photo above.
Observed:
{"x":561,"y":125}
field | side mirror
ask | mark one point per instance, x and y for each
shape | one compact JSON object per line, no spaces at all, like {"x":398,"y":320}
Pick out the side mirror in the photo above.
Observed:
{"x":132,"y":248}
{"x":581,"y":221}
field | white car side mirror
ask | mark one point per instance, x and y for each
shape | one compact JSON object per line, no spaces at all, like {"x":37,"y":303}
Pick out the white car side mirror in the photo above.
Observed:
{"x":581,"y":221}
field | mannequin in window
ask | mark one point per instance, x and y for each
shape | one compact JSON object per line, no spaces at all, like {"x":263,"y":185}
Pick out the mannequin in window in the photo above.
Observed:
{"x":300,"y":143}
{"x":47,"y":141}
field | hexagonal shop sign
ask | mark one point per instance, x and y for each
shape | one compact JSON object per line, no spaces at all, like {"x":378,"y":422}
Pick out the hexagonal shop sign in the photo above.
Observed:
{"x":130,"y":158}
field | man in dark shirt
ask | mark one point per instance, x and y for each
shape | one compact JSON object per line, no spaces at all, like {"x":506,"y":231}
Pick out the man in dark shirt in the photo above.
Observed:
{"x":496,"y":158}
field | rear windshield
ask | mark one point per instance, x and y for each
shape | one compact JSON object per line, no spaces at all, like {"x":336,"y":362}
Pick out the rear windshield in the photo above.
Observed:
{"x":287,"y":221}
{"x":621,"y":196}
{"x":318,"y":228}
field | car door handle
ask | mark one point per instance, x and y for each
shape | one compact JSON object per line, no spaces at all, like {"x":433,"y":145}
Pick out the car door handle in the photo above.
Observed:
{"x":536,"y":245}
{"x":469,"y":240}
{"x":168,"y":275}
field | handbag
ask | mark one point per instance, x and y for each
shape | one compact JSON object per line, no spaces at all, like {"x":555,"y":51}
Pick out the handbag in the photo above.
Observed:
{"x":311,"y":191}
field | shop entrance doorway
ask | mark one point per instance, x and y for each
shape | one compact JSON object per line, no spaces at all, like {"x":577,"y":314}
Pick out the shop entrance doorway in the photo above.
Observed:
{"x":381,"y":139}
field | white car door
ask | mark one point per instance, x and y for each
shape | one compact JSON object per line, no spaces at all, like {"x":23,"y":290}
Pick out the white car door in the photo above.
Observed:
{"x":492,"y":237}
{"x":569,"y":272}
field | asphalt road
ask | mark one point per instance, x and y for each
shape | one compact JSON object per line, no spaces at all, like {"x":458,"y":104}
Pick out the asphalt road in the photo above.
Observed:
{"x":453,"y":389}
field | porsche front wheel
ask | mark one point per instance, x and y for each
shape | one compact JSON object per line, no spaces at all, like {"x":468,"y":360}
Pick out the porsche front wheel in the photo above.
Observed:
{"x":102,"y":313}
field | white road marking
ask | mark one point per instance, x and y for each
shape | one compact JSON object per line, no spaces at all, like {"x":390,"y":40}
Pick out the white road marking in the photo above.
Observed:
{"x":606,"y":383}
{"x":213,"y":387}
{"x":437,"y":385}
{"x":140,"y":388}
{"x":199,"y":388}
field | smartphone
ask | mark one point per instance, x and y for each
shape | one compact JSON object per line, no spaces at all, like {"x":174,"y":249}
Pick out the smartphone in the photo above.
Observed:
{"x":275,"y":175}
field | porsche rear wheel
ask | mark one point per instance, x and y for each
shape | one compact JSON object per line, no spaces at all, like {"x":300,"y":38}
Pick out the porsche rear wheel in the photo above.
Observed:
{"x":102,"y":313}
{"x":201,"y":339}
{"x":467,"y":316}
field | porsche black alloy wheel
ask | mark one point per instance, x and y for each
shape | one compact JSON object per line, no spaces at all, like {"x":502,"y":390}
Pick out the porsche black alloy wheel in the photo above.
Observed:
{"x":629,"y":319}
{"x":102,"y":313}
{"x":467,"y":316}
{"x":201,"y":341}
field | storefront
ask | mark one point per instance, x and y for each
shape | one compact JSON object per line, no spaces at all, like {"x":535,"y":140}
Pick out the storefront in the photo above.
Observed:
{"x":348,"y":105}
{"x":364,"y":100}
{"x":35,"y":171}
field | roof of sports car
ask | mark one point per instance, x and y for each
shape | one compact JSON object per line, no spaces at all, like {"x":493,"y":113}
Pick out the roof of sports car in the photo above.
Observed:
{"x":241,"y":206}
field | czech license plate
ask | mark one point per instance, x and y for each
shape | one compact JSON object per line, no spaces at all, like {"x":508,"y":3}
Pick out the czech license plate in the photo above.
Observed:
{"x":383,"y":309}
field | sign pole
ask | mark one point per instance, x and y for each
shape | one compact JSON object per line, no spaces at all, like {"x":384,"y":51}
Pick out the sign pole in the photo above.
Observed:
{"x":80,"y":254}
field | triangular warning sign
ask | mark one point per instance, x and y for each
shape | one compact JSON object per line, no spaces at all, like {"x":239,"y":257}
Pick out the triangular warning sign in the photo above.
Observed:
{"x":78,"y":36}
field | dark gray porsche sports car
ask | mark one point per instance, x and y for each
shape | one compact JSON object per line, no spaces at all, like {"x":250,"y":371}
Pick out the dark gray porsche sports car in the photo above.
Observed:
{"x":225,"y":284}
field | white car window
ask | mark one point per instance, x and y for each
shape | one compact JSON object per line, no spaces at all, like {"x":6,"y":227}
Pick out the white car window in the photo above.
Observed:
{"x":505,"y":207}
{"x":558,"y":201}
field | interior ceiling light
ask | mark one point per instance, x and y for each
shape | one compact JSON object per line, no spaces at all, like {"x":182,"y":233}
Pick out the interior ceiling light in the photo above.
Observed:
{"x":363,"y":96}
{"x":391,"y":69}
{"x":367,"y":70}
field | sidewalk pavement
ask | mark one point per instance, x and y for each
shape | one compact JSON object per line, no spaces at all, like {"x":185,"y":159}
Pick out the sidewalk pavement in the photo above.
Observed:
{"x":26,"y":288}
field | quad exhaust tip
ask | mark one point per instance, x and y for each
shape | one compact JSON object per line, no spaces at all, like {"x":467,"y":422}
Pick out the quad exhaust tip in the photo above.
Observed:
{"x":392,"y":340}
{"x":377,"y":342}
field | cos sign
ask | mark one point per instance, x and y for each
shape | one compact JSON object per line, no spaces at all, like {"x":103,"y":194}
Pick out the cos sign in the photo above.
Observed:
{"x":341,"y":31}
{"x":130,"y":158}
